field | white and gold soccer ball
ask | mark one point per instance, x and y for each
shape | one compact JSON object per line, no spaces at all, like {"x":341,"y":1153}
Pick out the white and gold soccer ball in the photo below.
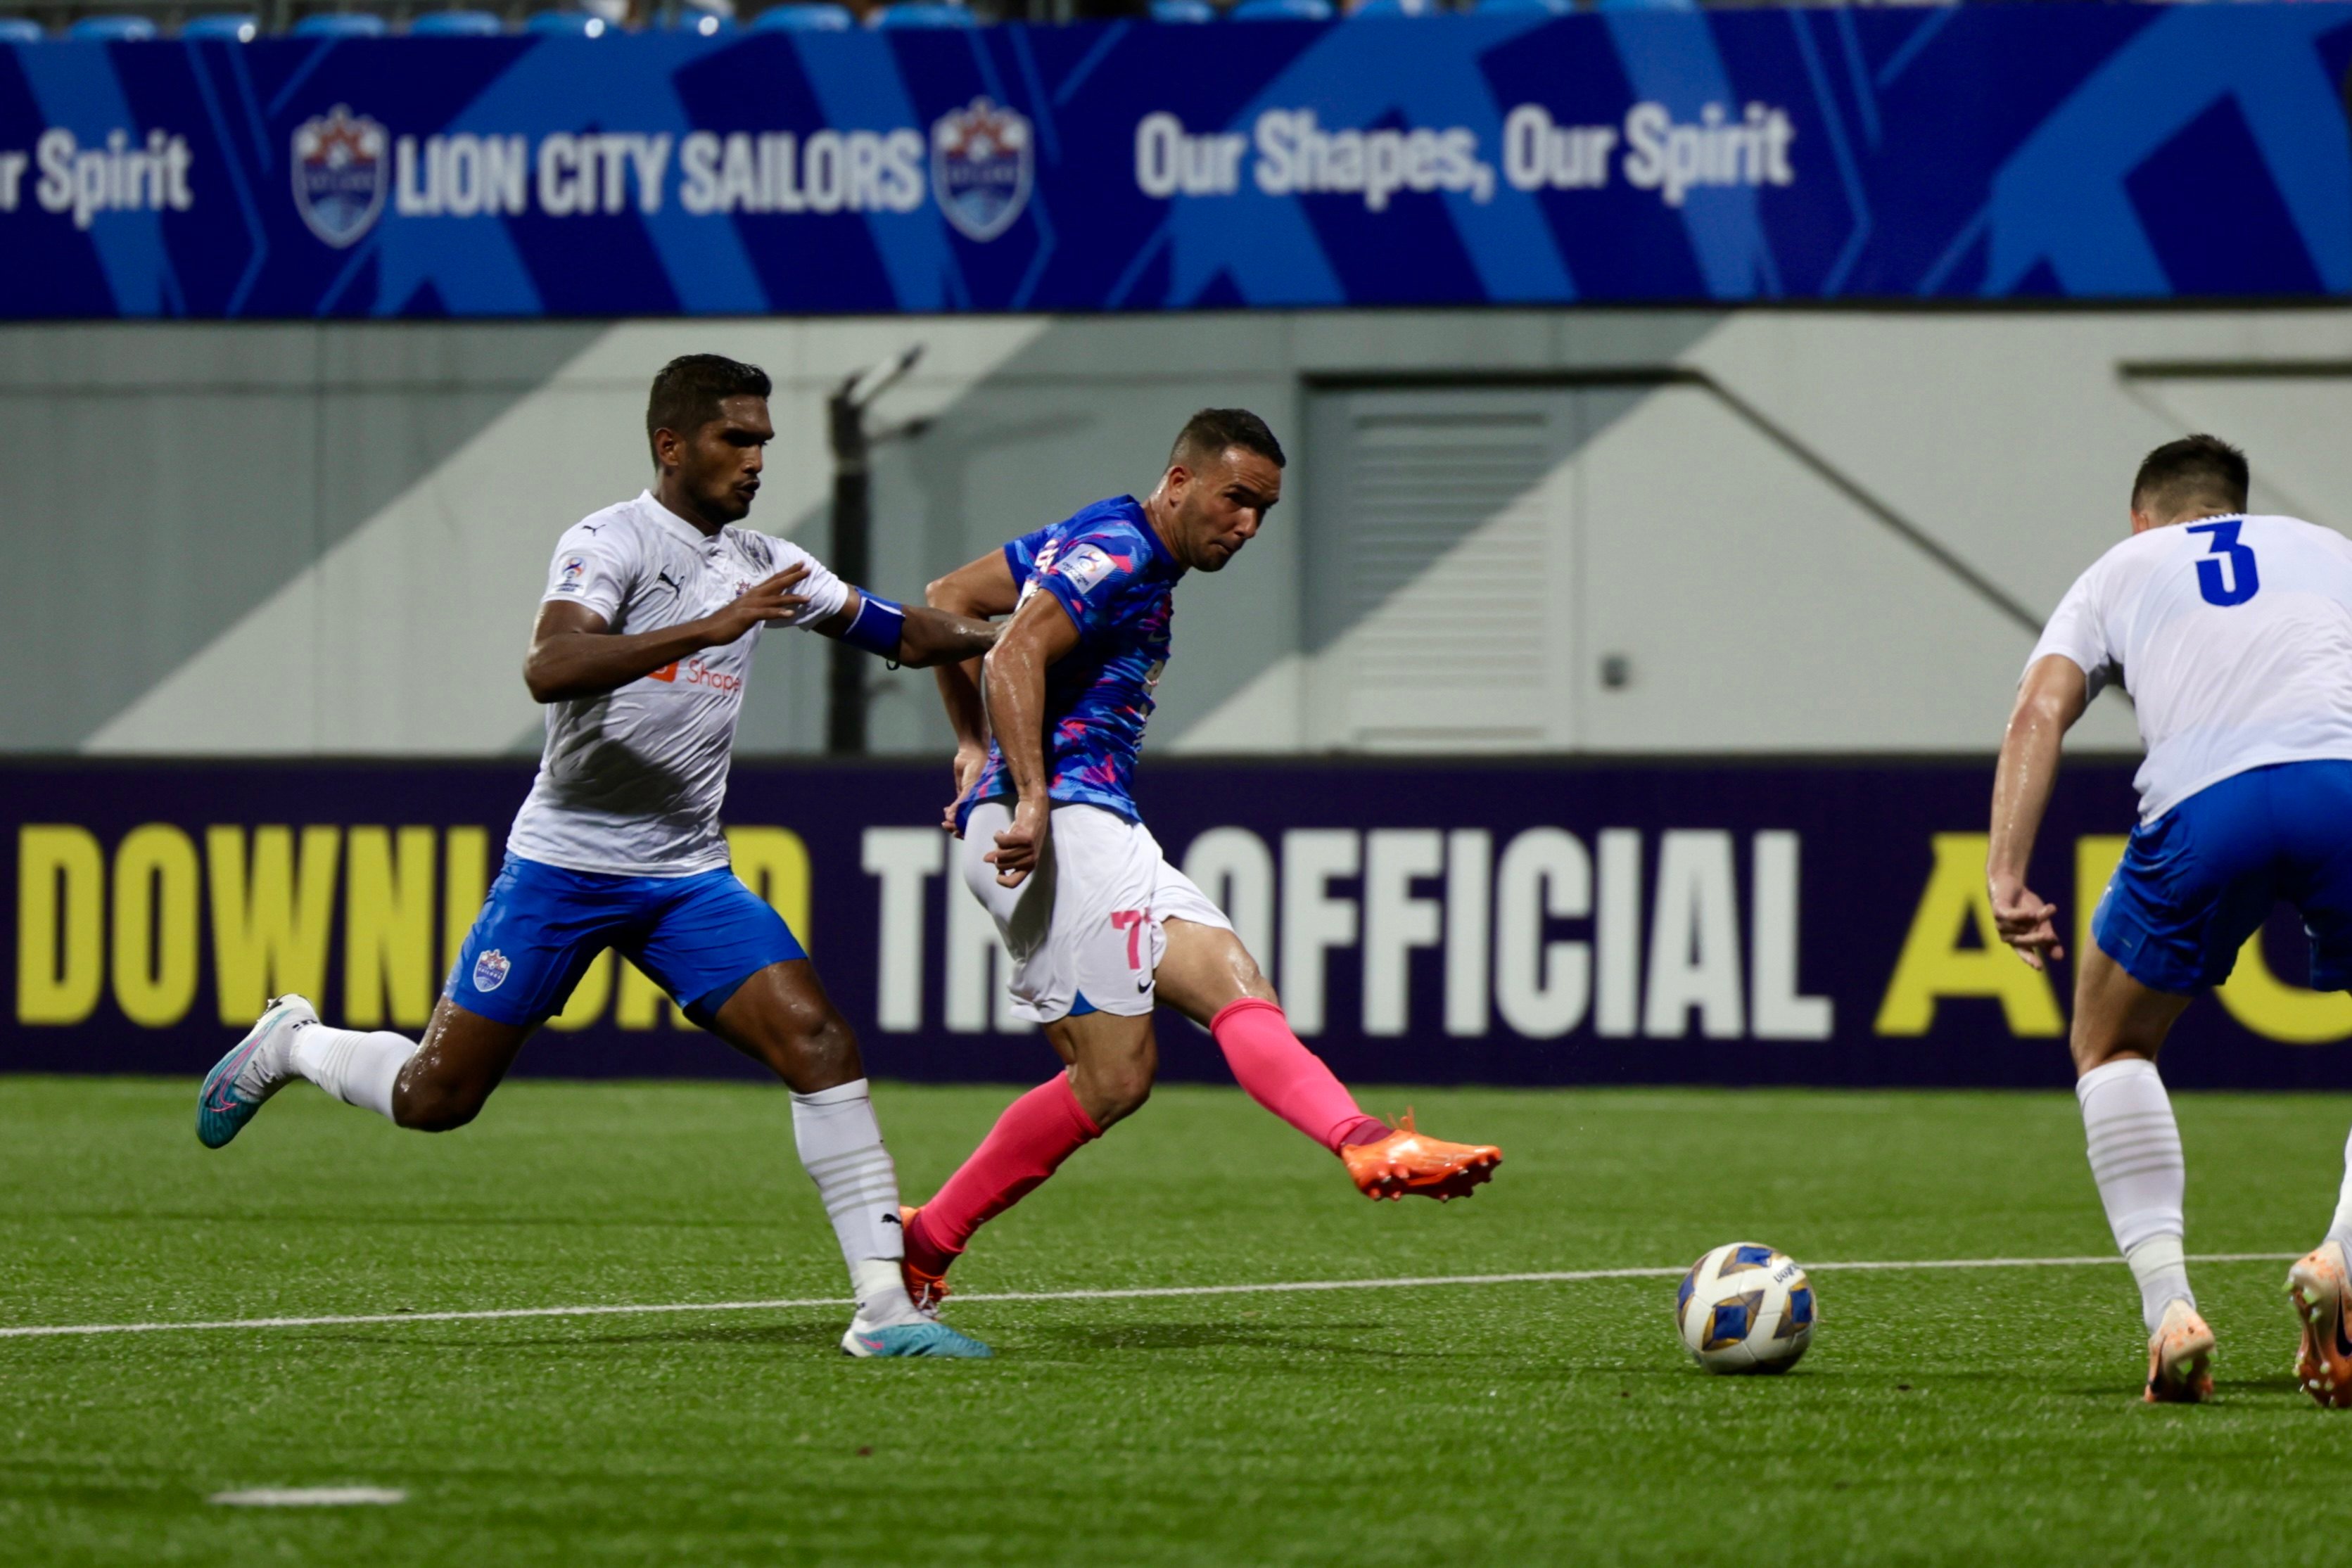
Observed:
{"x":1746,"y":1307}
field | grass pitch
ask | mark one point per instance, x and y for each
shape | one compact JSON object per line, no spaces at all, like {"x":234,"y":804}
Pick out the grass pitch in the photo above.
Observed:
{"x":1942,"y":1415}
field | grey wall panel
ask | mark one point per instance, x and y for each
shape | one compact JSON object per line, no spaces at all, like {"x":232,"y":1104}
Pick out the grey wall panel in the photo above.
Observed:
{"x":163,"y":516}
{"x":184,"y":474}
{"x":330,"y":539}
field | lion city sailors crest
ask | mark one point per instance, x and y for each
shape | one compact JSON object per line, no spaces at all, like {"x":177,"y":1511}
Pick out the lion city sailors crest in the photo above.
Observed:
{"x":340,"y":174}
{"x":980,"y":167}
{"x":490,"y":970}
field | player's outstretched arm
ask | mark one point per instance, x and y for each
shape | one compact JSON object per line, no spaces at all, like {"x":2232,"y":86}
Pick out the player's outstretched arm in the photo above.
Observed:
{"x":905,"y":634}
{"x":979,"y":588}
{"x":575,"y":653}
{"x":2050,"y":699}
{"x":1039,"y":635}
{"x":935,"y":639}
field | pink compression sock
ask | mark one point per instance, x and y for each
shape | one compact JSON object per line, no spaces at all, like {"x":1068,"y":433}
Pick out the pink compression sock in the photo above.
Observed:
{"x":1287,"y":1078}
{"x":1028,"y":1143}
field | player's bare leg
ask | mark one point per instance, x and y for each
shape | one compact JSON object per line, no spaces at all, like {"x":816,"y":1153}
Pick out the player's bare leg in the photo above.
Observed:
{"x":781,"y":1015}
{"x":430,"y":1087}
{"x":1208,"y":976}
{"x":2119,"y":1026}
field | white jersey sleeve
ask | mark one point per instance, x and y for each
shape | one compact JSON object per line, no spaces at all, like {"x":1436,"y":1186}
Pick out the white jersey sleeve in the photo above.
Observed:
{"x":596,"y":564}
{"x":2077,"y":632}
{"x":826,"y":592}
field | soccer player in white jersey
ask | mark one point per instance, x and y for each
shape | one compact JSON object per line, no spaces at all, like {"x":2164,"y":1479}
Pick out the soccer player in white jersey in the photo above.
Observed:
{"x":2233,"y":635}
{"x":643,"y":645}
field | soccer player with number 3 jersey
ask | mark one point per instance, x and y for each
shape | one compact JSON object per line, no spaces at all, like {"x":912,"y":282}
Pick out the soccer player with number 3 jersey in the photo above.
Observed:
{"x":1101,"y":928}
{"x":2233,"y":635}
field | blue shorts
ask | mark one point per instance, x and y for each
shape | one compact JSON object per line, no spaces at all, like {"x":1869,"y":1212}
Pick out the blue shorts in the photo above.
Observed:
{"x":698,"y":937}
{"x":2200,"y":880}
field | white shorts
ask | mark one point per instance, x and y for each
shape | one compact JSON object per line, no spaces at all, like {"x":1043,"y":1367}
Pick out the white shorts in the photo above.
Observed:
{"x":1088,"y":921}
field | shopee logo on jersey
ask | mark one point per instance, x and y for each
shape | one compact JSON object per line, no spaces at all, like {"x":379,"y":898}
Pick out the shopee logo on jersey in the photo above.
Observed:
{"x":699,"y":673}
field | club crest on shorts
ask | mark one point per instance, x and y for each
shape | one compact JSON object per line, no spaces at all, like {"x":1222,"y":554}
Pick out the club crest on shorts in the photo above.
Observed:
{"x":341,"y":174}
{"x":981,"y":163}
{"x":490,"y":970}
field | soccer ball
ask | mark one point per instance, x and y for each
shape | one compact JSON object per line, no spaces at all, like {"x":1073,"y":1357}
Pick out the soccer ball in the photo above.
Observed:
{"x":1746,"y":1307}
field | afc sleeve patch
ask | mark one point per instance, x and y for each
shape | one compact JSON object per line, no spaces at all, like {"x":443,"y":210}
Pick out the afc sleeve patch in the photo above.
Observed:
{"x":572,"y":575}
{"x":1085,"y":567}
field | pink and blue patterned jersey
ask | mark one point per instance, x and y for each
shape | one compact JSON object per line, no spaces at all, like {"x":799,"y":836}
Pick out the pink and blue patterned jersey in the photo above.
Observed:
{"x":1117,"y":581}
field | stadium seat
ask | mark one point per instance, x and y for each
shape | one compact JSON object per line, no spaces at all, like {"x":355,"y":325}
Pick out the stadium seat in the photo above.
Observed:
{"x":456,"y":24}
{"x":1283,"y":11}
{"x":1182,"y":11}
{"x":1646,"y":5}
{"x":702,"y":24}
{"x":1373,"y":9}
{"x":341,"y":24}
{"x":112,"y":29}
{"x":228,"y":28}
{"x":566,"y":23}
{"x":923,"y":14}
{"x":804,"y":16}
{"x":19,"y":30}
{"x":1525,"y":8}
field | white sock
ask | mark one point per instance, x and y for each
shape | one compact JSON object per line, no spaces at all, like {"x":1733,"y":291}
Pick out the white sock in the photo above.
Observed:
{"x":356,"y":1066}
{"x":2339,"y":1230}
{"x":841,"y":1147}
{"x":2136,"y":1158}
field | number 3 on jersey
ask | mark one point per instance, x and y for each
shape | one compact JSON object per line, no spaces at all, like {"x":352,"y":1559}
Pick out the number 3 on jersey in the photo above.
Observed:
{"x":2240,"y":582}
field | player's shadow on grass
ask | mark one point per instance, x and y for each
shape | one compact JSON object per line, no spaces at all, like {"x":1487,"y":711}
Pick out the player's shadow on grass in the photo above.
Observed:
{"x":1048,"y":1338}
{"x":1213,"y":1336}
{"x":2224,"y":1390}
{"x":2281,"y":1384}
{"x":781,"y":1335}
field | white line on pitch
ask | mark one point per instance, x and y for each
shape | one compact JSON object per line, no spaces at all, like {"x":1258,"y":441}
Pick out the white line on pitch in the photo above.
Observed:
{"x":1139,"y":1292}
{"x":311,"y":1497}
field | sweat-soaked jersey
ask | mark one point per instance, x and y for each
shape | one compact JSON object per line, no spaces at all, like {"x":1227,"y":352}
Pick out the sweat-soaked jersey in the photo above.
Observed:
{"x":1109,"y":571}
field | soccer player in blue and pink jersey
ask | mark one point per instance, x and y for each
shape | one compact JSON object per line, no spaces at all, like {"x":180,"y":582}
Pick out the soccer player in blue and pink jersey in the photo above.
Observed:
{"x":1100,"y":926}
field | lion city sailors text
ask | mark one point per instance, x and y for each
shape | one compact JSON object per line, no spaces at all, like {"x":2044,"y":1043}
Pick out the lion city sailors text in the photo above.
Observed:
{"x":976,"y":162}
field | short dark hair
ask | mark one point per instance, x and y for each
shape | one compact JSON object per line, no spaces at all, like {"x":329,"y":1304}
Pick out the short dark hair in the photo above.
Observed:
{"x":1210,"y":432}
{"x":688,"y":390}
{"x":2194,"y":471}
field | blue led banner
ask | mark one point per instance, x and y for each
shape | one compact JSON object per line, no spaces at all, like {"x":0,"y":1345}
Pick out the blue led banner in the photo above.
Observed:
{"x":1962,"y":152}
{"x":1443,"y":923}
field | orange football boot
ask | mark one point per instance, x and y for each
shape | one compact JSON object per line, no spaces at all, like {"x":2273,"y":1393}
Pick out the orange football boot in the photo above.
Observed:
{"x":925,"y":1288}
{"x":2320,"y":1292}
{"x":1407,"y":1161}
{"x":2180,"y":1358}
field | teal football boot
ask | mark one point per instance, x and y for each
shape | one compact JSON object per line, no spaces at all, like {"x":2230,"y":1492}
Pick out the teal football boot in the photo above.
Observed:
{"x":924,"y":1338}
{"x":235,"y":1089}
